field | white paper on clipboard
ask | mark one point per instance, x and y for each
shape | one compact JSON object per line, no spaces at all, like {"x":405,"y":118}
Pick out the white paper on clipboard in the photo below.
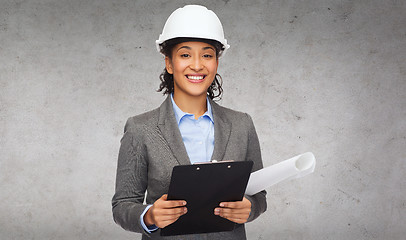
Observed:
{"x":296,"y":167}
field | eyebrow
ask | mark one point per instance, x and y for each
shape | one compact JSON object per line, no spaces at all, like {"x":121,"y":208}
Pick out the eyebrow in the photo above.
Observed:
{"x":189,"y":48}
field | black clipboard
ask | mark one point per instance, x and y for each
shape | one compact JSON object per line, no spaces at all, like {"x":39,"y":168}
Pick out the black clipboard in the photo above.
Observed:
{"x":204,"y":186}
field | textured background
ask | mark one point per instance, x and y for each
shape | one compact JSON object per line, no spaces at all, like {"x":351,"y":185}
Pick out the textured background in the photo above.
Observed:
{"x":316,"y":75}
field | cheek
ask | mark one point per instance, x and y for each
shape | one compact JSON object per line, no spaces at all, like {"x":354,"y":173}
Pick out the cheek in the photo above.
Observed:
{"x":213,"y":67}
{"x":179,"y":66}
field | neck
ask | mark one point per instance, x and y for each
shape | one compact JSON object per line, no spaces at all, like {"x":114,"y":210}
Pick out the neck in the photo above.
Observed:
{"x":193,"y":105}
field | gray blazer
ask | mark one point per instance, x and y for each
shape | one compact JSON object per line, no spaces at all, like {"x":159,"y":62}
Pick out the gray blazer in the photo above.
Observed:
{"x":152,"y":145}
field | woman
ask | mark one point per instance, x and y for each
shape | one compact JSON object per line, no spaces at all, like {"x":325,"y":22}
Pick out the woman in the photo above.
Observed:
{"x":188,"y":127}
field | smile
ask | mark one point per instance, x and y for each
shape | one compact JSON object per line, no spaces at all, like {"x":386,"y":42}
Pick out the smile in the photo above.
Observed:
{"x":195,"y":77}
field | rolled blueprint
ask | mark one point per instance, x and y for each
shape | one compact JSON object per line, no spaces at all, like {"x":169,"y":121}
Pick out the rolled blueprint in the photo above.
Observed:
{"x":296,"y":167}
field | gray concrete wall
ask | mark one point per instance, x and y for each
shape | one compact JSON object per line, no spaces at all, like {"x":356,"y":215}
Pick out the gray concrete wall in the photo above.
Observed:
{"x":316,"y":75}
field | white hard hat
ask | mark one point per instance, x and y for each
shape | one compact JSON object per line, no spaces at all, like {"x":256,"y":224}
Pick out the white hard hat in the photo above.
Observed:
{"x":193,"y":21}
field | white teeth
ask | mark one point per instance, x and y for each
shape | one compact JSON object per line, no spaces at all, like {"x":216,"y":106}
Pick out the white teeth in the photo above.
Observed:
{"x":195,"y":77}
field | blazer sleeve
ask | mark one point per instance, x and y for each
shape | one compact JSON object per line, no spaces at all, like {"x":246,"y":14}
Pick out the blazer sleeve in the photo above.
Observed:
{"x":258,"y":201}
{"x":131,"y":180}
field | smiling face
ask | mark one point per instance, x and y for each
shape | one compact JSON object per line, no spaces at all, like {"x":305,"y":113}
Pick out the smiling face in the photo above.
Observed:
{"x":194,"y":66}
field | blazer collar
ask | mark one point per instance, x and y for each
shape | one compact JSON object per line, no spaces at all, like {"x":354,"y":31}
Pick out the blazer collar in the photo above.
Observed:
{"x":170,"y":131}
{"x":222,"y":130}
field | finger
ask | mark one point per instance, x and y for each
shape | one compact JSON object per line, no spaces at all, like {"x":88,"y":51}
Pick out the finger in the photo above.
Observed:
{"x":232,"y":214}
{"x":238,"y":218}
{"x":233,"y":210}
{"x":163,"y":202}
{"x":170,"y":211}
{"x":164,"y":197}
{"x":173,"y":203}
{"x":236,"y":205}
{"x":168,"y":217}
{"x":169,"y":204}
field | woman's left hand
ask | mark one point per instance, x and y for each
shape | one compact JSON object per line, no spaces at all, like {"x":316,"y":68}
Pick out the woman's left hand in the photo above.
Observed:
{"x":237,"y":212}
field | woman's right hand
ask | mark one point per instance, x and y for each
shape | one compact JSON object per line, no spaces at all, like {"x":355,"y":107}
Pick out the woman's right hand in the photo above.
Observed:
{"x":164,"y":212}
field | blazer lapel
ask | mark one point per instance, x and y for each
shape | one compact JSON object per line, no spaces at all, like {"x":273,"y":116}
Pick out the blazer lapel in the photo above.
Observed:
{"x":170,"y":131}
{"x":222,"y":130}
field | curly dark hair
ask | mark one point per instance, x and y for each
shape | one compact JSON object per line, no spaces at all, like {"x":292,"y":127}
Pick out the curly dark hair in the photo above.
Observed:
{"x":166,"y":87}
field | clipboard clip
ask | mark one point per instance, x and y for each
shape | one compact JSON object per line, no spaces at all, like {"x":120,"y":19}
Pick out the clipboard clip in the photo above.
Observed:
{"x":214,"y":161}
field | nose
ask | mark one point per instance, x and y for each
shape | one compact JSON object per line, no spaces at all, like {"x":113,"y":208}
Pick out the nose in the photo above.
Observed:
{"x":196,"y":64}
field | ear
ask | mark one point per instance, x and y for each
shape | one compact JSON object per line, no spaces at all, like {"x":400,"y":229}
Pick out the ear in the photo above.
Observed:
{"x":168,"y":65}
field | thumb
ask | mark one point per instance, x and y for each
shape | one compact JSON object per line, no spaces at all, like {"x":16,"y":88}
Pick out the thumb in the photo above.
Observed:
{"x":164,"y":197}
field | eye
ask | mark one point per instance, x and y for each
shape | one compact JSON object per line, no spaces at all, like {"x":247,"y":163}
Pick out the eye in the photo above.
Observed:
{"x":185,"y":55}
{"x":208,"y":56}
